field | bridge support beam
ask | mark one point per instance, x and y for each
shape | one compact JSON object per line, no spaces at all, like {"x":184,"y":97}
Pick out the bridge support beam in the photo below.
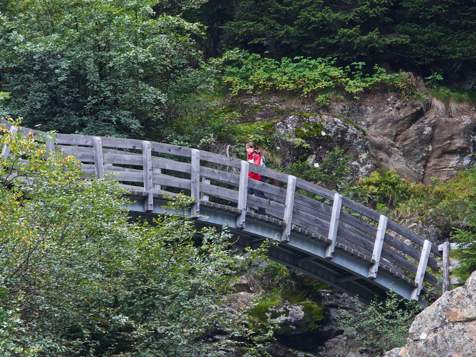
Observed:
{"x":378,"y":246}
{"x":420,"y":274}
{"x":148,"y":176}
{"x":334,"y":225}
{"x":288,"y":208}
{"x":243,"y":194}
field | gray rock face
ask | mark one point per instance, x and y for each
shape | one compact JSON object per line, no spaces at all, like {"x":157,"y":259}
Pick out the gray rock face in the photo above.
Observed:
{"x":446,"y":328}
{"x":419,"y":140}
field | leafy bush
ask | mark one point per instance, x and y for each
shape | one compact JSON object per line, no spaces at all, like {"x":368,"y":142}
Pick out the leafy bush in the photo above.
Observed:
{"x":382,"y":189}
{"x":244,"y":72}
{"x":100,"y":67}
{"x":78,"y":277}
{"x":333,"y":172}
{"x":380,"y":326}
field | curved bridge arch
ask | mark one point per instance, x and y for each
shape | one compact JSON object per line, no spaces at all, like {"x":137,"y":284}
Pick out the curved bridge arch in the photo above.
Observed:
{"x":319,"y":232}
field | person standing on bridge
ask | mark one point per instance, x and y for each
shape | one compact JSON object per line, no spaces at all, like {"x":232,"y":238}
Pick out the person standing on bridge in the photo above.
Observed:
{"x":254,"y":156}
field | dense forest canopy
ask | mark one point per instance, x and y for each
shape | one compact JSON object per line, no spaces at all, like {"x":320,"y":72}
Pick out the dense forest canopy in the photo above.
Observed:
{"x":418,"y":35}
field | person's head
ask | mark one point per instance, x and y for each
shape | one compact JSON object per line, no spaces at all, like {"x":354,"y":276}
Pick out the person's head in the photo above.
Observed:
{"x":250,"y":147}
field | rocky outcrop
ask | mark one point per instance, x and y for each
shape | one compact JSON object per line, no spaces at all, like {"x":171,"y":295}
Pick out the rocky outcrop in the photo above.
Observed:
{"x":446,"y":328}
{"x":420,"y":139}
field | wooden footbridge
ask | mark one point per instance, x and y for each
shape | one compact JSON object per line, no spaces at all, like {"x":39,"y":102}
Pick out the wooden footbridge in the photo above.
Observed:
{"x":320,"y":233}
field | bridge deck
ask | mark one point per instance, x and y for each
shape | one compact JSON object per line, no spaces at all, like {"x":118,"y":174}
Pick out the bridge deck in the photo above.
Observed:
{"x":321,"y":233}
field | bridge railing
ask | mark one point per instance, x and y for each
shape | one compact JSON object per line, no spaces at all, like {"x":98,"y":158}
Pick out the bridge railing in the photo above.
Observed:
{"x":153,"y":170}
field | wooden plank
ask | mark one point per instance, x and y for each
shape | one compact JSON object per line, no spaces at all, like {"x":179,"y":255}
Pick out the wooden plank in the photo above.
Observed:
{"x":195,"y":182}
{"x":171,"y":149}
{"x":378,"y":246}
{"x":120,"y":143}
{"x":82,"y":153}
{"x":288,"y":208}
{"x":171,"y":165}
{"x":405,"y":232}
{"x":220,"y":160}
{"x":359,"y":208}
{"x":315,"y":189}
{"x":148,"y":176}
{"x":98,"y":157}
{"x":273,"y":192}
{"x":271,"y":208}
{"x":125,"y":158}
{"x":171,"y":181}
{"x":243,"y":194}
{"x":219,"y":192}
{"x":420,"y":275}
{"x":75,"y":139}
{"x":6,"y":149}
{"x":445,"y":250}
{"x":219,"y":175}
{"x":334,"y":225}
{"x":128,"y":176}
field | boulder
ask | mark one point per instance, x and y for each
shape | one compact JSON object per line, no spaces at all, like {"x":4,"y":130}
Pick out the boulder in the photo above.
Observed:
{"x":446,"y":328}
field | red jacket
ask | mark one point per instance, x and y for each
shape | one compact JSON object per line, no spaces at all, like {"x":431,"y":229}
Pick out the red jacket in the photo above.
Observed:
{"x":255,"y":158}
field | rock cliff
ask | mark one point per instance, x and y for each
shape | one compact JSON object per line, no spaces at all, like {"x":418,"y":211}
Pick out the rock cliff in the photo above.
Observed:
{"x":446,"y":328}
{"x":420,"y":138}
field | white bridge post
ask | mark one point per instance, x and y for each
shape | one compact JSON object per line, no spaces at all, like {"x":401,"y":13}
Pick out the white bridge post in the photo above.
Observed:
{"x":98,"y":156}
{"x":148,"y":173}
{"x":420,"y":274}
{"x":445,"y":250}
{"x":288,"y":208}
{"x":195,"y":182}
{"x":6,"y":149}
{"x":334,"y":225}
{"x":243,"y":194}
{"x":378,"y":246}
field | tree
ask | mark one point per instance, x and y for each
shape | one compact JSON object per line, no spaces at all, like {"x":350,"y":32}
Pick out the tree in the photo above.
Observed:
{"x":419,"y":35}
{"x":77,"y":277}
{"x":95,"y":66}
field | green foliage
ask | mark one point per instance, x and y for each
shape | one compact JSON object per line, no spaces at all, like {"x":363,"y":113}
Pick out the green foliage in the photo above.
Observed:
{"x":421,"y":35}
{"x":78,"y":277}
{"x":381,"y":325}
{"x":450,"y":94}
{"x":97,"y":66}
{"x":333,"y":172}
{"x":382,"y":189}
{"x":466,"y":238}
{"x":244,"y":72}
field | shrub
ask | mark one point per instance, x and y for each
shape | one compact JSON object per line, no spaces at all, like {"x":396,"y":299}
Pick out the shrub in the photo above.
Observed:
{"x":244,"y":72}
{"x":79,"y":277}
{"x":381,"y":325}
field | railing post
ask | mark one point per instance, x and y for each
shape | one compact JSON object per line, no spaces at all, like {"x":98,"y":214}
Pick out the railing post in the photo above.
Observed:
{"x":288,"y":208}
{"x":445,"y":250}
{"x":148,"y":175}
{"x":50,"y":145}
{"x":334,"y":225}
{"x":98,"y":156}
{"x":420,"y":274}
{"x":6,"y":149}
{"x":378,"y":246}
{"x":195,"y":182}
{"x":243,"y":194}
